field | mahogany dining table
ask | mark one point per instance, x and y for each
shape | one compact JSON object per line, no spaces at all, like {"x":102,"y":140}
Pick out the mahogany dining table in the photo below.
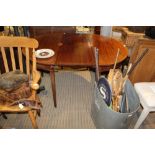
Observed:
{"x":76,"y":50}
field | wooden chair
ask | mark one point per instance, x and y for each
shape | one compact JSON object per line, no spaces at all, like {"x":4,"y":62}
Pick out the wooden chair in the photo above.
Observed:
{"x":27,"y":46}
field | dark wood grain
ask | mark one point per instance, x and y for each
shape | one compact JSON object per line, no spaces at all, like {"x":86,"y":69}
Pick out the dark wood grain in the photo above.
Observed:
{"x":97,"y":29}
{"x":52,"y":75}
{"x":49,"y":37}
{"x":77,"y":50}
{"x":52,"y":41}
{"x":108,"y":48}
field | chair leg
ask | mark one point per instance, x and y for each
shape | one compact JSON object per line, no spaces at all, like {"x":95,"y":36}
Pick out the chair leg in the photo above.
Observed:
{"x":35,"y":114}
{"x":141,"y":118}
{"x":33,"y":120}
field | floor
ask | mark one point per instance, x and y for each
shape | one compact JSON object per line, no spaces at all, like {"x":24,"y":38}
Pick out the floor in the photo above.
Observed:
{"x":74,"y":96}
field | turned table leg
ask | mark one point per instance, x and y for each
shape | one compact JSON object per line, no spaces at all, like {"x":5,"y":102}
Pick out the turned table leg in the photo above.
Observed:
{"x":52,"y":75}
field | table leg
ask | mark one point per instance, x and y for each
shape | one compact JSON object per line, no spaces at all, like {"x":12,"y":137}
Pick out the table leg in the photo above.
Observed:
{"x":52,"y":75}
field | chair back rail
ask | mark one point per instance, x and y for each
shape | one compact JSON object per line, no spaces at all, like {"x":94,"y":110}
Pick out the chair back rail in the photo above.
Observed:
{"x":7,"y":41}
{"x":34,"y":65}
{"x":23,"y":44}
{"x":4,"y":59}
{"x":27,"y":61}
{"x":20,"y":58}
{"x":12,"y":58}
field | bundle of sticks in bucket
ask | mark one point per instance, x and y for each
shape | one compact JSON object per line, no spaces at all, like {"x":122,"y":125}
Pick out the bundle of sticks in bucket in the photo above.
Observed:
{"x":116,"y":79}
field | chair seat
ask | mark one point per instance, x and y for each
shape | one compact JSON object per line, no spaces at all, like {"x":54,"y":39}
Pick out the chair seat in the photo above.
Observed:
{"x":16,"y":108}
{"x":146,"y":93}
{"x":12,"y":80}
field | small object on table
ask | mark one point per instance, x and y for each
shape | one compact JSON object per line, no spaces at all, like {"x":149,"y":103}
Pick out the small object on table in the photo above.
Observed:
{"x":44,"y":53}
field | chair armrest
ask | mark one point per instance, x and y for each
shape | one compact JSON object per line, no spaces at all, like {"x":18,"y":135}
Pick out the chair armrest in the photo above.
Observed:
{"x":34,"y":83}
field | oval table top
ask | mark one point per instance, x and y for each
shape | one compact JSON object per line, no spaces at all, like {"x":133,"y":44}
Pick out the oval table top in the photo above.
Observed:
{"x":77,"y":49}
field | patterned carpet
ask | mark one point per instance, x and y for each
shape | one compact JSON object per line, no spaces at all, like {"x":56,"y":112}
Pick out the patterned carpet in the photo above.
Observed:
{"x":74,"y":96}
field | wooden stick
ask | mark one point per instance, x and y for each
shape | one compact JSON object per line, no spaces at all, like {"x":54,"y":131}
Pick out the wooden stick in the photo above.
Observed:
{"x":127,"y":72}
{"x":113,"y":73}
{"x":115,"y":100}
{"x":129,"y":68}
{"x":138,"y":60}
{"x":97,"y":63}
{"x":116,"y":59}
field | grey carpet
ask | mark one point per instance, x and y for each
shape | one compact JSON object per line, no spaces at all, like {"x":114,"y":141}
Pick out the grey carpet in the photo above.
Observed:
{"x":74,"y":96}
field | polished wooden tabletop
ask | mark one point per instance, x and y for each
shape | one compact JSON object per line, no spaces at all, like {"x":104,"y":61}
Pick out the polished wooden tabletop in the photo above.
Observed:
{"x":49,"y":41}
{"x":77,"y":49}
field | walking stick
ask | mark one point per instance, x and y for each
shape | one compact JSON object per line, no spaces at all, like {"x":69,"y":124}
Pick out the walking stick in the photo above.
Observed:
{"x":97,"y":63}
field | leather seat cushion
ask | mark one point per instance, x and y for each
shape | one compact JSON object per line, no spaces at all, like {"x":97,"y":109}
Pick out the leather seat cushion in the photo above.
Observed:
{"x":12,"y":80}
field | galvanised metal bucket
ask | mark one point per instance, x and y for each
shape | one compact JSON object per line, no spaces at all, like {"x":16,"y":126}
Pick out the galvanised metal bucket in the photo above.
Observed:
{"x":106,"y":118}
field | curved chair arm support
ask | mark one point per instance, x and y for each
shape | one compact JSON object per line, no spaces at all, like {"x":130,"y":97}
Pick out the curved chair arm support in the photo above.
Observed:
{"x":36,"y":77}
